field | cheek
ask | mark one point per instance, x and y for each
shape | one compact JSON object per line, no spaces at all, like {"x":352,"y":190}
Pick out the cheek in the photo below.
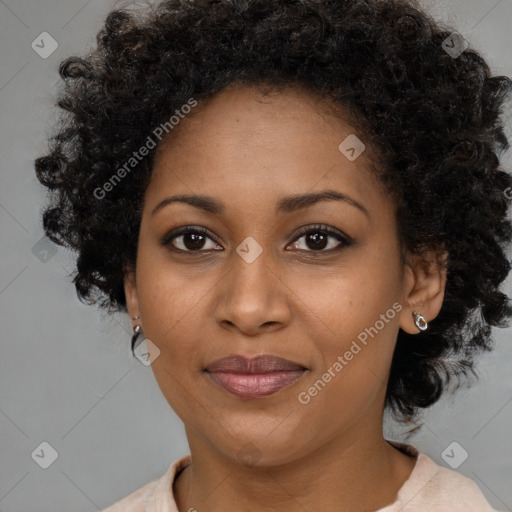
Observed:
{"x":353,"y":297}
{"x":172,"y":306}
{"x":168,"y":296}
{"x":352,"y":364}
{"x":359,"y":309}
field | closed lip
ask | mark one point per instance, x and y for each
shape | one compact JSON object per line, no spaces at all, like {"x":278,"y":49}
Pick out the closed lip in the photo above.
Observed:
{"x":265,"y":363}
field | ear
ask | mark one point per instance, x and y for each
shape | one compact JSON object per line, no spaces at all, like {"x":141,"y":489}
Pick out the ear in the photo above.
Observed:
{"x":130,"y":291}
{"x":425,"y":282}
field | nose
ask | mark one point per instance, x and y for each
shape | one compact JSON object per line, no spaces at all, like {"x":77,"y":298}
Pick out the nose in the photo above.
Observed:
{"x":251,"y":298}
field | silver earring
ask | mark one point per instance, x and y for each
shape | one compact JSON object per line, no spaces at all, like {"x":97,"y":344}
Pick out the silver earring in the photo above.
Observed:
{"x":419,"y":321}
{"x":137,"y":329}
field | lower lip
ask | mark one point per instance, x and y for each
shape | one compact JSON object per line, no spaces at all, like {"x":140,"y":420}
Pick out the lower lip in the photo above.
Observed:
{"x":255,"y":385}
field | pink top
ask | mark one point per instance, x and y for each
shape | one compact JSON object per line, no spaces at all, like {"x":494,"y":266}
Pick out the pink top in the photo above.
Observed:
{"x":429,"y":488}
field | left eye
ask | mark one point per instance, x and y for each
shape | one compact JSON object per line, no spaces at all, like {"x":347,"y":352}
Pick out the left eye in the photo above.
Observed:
{"x":317,"y":240}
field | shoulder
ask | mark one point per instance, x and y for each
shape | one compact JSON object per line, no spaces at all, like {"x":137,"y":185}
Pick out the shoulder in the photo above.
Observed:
{"x":438,"y":489}
{"x":155,"y":495}
{"x":449,"y":490}
{"x":134,"y":502}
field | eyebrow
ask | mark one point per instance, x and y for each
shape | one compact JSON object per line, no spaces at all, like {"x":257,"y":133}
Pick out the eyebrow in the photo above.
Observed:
{"x":285,"y":205}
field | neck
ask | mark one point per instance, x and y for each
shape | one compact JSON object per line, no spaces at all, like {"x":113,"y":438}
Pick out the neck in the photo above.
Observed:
{"x":362,"y":473}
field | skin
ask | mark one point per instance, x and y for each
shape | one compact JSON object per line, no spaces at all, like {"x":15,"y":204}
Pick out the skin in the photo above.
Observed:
{"x":295,"y":301}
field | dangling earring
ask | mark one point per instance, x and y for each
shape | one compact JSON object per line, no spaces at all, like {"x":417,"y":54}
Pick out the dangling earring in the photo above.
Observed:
{"x":137,"y":329}
{"x":419,"y":321}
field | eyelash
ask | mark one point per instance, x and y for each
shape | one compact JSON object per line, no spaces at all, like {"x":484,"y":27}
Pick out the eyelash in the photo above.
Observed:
{"x":345,"y":241}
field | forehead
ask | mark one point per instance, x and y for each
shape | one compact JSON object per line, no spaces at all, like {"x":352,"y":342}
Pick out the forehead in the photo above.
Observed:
{"x":251,"y":111}
{"x":245,"y":143}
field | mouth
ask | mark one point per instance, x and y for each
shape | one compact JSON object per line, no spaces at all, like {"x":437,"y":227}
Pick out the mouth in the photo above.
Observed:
{"x":256,"y":377}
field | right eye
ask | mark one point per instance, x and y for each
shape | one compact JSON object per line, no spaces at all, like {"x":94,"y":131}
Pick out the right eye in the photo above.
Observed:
{"x":189,"y":239}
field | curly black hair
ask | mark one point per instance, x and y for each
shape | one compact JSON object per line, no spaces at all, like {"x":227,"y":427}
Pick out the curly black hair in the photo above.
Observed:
{"x":433,"y":119}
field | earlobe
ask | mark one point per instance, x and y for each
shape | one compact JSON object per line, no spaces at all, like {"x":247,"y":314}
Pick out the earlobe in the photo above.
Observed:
{"x":419,"y":321}
{"x":425,"y":282}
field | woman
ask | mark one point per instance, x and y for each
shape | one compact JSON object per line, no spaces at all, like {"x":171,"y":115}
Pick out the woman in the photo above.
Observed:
{"x":301,"y":207}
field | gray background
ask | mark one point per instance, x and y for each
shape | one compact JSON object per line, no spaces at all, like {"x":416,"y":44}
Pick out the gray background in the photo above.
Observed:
{"x":66,"y":374}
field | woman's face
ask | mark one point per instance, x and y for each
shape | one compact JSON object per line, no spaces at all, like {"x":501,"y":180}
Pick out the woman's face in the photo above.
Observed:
{"x":253,"y":284}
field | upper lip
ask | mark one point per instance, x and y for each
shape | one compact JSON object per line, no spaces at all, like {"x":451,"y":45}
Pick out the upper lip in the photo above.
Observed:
{"x":265,"y":363}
